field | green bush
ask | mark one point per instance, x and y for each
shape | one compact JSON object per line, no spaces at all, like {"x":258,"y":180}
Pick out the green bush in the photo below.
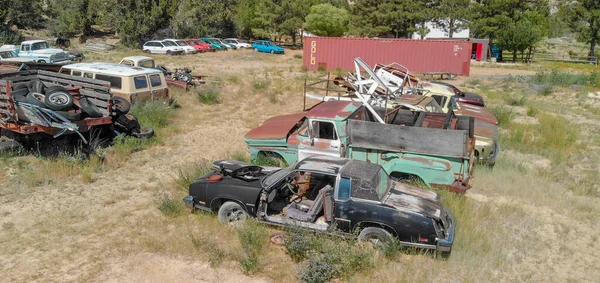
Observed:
{"x":298,"y":56}
{"x":209,"y":95}
{"x":546,"y":90}
{"x":155,"y":114}
{"x":512,"y":101}
{"x":8,"y":36}
{"x":170,"y":206}
{"x":299,"y":244}
{"x":261,"y":84}
{"x":504,"y":114}
{"x":317,"y":270}
{"x":253,"y":237}
{"x":532,"y":111}
{"x":559,"y":78}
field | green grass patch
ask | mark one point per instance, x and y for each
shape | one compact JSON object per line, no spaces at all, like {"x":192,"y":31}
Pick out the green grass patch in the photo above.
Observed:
{"x":564,"y":79}
{"x":513,"y":101}
{"x":186,"y":176}
{"x":155,"y":114}
{"x":546,"y":91}
{"x":259,"y":84}
{"x":209,"y":95}
{"x":298,"y":56}
{"x":170,"y":206}
{"x":253,"y":238}
{"x":532,"y":111}
{"x":503,"y":113}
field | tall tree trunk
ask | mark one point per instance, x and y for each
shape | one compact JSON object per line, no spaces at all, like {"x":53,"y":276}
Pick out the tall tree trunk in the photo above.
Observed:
{"x":594,"y":29}
{"x":515,"y":56}
{"x":451,"y":28}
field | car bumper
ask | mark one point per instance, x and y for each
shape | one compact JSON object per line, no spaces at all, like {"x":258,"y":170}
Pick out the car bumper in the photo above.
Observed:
{"x":188,"y":201}
{"x":191,"y":51}
{"x":445,"y":244}
{"x":487,"y":154}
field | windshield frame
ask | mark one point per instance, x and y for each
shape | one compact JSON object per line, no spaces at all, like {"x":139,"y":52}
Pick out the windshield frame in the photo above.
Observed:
{"x":275,"y":176}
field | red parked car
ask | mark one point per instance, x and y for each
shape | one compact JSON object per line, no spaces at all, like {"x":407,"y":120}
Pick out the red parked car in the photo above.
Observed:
{"x":201,"y":47}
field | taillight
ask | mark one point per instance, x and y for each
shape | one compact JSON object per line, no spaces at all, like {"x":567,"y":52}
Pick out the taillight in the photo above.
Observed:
{"x":423,"y":240}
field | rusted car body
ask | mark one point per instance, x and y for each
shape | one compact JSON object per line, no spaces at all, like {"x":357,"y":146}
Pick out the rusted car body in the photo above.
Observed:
{"x":463,"y":96}
{"x":348,"y":129}
{"x":327,"y":194}
{"x":445,"y":96}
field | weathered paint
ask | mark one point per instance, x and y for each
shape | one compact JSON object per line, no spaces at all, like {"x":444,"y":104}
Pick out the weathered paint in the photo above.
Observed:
{"x":277,"y":127}
{"x":477,"y":112}
{"x":419,"y":56}
{"x":432,"y":169}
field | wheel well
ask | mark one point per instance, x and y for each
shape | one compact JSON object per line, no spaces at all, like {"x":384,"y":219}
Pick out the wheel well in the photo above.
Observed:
{"x":362,"y":225}
{"x":406,"y":177}
{"x":217,"y":203}
{"x":267,"y":156}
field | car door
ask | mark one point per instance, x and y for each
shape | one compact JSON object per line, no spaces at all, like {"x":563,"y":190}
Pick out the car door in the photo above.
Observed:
{"x":25,"y":50}
{"x":323,"y":140}
{"x":337,"y":206}
{"x":158,"y":89}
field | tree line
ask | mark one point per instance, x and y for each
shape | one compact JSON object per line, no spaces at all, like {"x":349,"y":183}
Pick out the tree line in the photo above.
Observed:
{"x":515,"y":25}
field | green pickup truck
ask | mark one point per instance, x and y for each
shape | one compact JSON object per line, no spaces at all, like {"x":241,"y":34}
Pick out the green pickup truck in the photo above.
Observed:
{"x":438,"y":150}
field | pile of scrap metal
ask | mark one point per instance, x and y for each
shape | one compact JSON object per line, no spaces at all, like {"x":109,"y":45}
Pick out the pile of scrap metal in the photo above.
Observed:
{"x":392,"y":87}
{"x":37,"y":106}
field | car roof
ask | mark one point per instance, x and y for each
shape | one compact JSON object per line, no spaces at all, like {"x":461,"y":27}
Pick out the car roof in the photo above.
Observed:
{"x":438,"y":88}
{"x":334,"y":109}
{"x":32,"y":41}
{"x":111,"y":68}
{"x":171,"y":39}
{"x":138,"y":58}
{"x":323,"y":164}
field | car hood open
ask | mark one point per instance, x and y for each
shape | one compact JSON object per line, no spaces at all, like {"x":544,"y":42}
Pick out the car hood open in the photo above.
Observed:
{"x":277,"y":127}
{"x":415,"y":200}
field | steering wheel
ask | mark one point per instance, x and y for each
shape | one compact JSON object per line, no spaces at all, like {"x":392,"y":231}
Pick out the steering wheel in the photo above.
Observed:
{"x":293,"y":188}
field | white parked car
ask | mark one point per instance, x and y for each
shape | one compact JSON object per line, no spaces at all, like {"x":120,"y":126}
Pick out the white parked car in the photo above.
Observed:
{"x":8,"y":54}
{"x":186,"y":48}
{"x":238,"y":43}
{"x":162,"y":47}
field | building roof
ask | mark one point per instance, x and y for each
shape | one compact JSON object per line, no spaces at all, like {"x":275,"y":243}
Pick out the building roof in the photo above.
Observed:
{"x":334,"y":109}
{"x":111,"y":69}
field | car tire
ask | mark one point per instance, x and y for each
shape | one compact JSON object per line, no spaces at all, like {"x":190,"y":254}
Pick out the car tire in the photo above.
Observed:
{"x":145,"y":132}
{"x":377,"y":236}
{"x":120,"y":105}
{"x":17,"y":86}
{"x":89,"y":108}
{"x":272,"y":51}
{"x":231,"y":212}
{"x":41,"y":61}
{"x":37,"y":86}
{"x":147,"y":51}
{"x":58,"y":100}
{"x":36,"y":99}
{"x":168,"y":52}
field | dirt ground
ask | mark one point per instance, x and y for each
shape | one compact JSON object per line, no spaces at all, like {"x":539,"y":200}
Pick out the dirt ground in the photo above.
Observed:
{"x":70,"y":231}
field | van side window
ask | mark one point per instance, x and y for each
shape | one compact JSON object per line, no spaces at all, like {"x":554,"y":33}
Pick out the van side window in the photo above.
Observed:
{"x":140,"y":82}
{"x":88,"y":75}
{"x":115,"y":82}
{"x":155,"y":80}
{"x":65,"y":71}
{"x":77,"y":73}
{"x":128,"y":62}
{"x":26,"y":47}
{"x":324,"y":130}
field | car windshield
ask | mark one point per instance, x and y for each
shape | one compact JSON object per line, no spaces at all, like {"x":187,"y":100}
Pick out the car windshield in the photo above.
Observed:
{"x":168,"y":43}
{"x":433,"y":107}
{"x":192,"y":42}
{"x":382,"y":183}
{"x":180,"y":43}
{"x":267,"y":43}
{"x":453,"y":103}
{"x":146,"y":63}
{"x":275,"y":176}
{"x":39,"y":45}
{"x":218,"y":41}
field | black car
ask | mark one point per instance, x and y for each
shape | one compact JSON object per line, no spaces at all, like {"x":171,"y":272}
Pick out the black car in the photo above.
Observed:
{"x":320,"y":193}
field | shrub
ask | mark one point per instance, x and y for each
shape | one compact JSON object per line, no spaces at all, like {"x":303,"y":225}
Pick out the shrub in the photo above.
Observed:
{"x":559,"y":78}
{"x":504,"y":114}
{"x":209,"y":95}
{"x":298,"y":56}
{"x":532,"y":111}
{"x":234,"y":79}
{"x":260,"y":84}
{"x":299,"y":244}
{"x":252,"y":237}
{"x":186,"y":176}
{"x":8,"y":36}
{"x":317,"y":271}
{"x":512,"y":101}
{"x":169,"y":206}
{"x":215,"y":254}
{"x":155,"y":114}
{"x":546,"y":90}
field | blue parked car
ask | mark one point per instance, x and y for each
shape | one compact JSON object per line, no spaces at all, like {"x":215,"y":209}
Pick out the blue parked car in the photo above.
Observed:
{"x":266,"y":46}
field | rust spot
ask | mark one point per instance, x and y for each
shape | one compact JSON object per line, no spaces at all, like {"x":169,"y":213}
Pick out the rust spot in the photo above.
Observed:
{"x":277,"y":127}
{"x":457,"y":187}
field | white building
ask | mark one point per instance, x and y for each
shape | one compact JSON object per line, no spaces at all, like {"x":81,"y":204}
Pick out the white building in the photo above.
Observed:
{"x":436,"y":32}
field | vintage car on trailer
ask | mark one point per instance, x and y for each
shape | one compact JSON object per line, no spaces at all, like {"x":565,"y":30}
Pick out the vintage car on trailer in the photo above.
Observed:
{"x":327,"y":194}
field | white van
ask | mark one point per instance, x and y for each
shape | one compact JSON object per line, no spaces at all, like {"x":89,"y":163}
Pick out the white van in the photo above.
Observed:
{"x":132,"y":83}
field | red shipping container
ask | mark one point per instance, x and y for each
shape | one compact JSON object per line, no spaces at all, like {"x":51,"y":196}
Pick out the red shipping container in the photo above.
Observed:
{"x":419,"y":56}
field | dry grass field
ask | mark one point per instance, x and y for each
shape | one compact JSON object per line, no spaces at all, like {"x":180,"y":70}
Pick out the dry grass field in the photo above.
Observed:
{"x":119,"y":217}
